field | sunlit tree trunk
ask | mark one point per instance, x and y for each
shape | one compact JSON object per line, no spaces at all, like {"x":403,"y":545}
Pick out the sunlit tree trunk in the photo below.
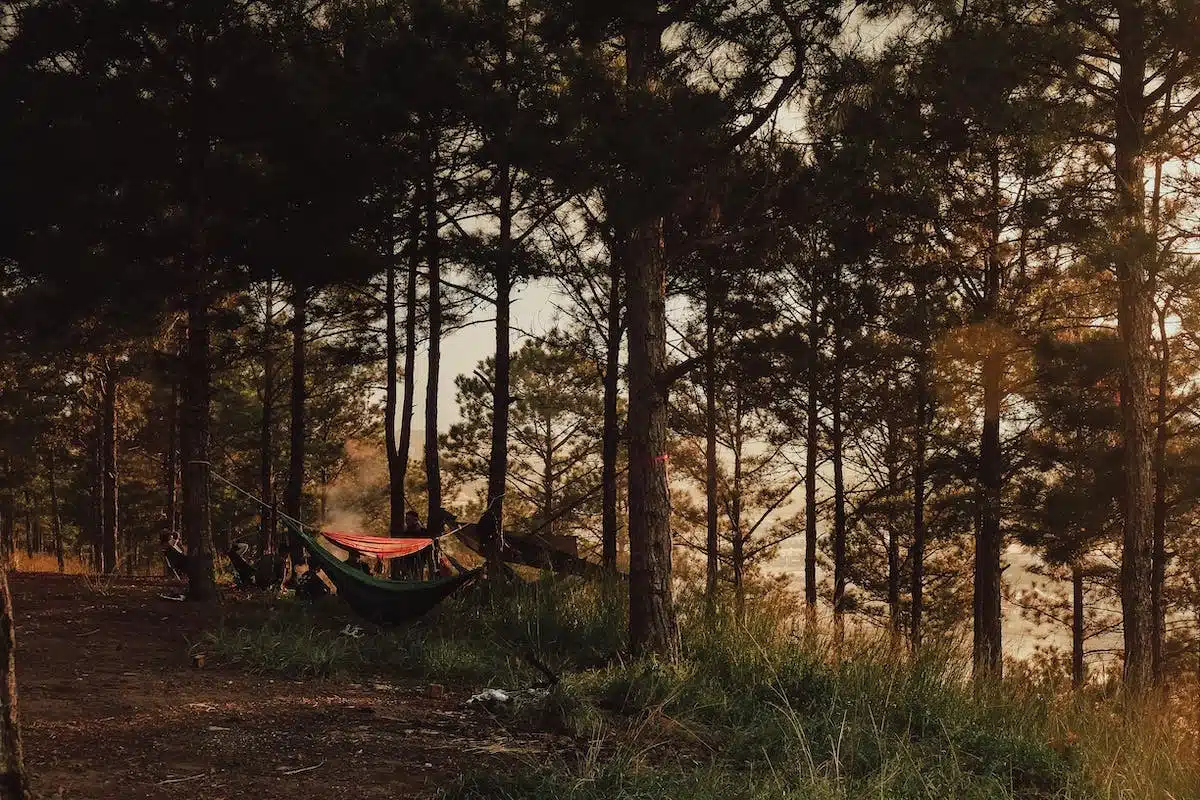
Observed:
{"x":1135,"y":310}
{"x":611,"y":437}
{"x":652,"y":624}
{"x":293,"y":498}
{"x":1078,"y":675}
{"x":14,"y":783}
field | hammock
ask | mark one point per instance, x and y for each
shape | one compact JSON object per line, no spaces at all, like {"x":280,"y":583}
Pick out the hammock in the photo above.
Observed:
{"x":381,"y":601}
{"x":378,"y":546}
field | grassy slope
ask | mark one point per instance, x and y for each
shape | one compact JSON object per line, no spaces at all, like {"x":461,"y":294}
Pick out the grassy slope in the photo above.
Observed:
{"x":755,"y":712}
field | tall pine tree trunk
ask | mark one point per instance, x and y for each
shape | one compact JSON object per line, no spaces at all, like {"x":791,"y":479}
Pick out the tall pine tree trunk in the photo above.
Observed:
{"x":988,"y":652}
{"x":1078,"y":675}
{"x":266,"y":429}
{"x":55,"y":518}
{"x":812,"y":453}
{"x":293,"y":499}
{"x":397,"y":475}
{"x":837,"y":442}
{"x":194,"y":439}
{"x":712,"y":540}
{"x":108,"y":415}
{"x":893,"y":543}
{"x":395,"y":459}
{"x":652,"y":624}
{"x":195,"y":412}
{"x":738,"y":549}
{"x":1158,"y":558}
{"x":14,"y":783}
{"x":171,"y":458}
{"x":1134,"y":319}
{"x":433,"y":253}
{"x":611,"y":435}
{"x":498,"y":458}
{"x":921,"y":401}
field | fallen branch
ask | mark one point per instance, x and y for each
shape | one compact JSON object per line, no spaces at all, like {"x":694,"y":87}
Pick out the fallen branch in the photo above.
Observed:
{"x":304,"y":769}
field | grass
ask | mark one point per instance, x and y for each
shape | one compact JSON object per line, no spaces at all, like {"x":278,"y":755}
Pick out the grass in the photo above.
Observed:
{"x":755,"y":712}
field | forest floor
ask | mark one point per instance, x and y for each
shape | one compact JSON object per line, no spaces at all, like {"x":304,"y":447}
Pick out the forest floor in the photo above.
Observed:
{"x":112,"y":707}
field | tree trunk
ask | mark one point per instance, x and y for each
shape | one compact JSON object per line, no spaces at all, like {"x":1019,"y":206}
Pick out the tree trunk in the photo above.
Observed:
{"x":266,"y":430}
{"x":108,"y":554}
{"x":1078,"y":676}
{"x":293,"y":499}
{"x":498,"y":459}
{"x":837,"y":443}
{"x":55,"y":519}
{"x":812,"y":452}
{"x":194,"y":439}
{"x":712,"y":541}
{"x":195,"y":415}
{"x":1134,"y":319}
{"x":611,"y":437}
{"x":396,"y":476}
{"x":652,"y":624}
{"x":14,"y":783}
{"x":171,"y":465}
{"x":893,"y":544}
{"x":988,"y":652}
{"x":921,"y":400}
{"x":28,"y":523}
{"x":738,"y":549}
{"x":1158,"y":556}
{"x":432,"y":242}
{"x":96,"y":468}
{"x":395,"y":459}
{"x":987,"y":641}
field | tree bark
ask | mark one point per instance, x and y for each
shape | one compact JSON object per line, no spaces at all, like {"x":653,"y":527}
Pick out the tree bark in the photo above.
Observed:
{"x":837,"y":442}
{"x":921,"y":401}
{"x":611,"y":436}
{"x":55,"y":519}
{"x":712,"y":541}
{"x":194,"y":440}
{"x":395,"y":459}
{"x":738,"y":549}
{"x":109,"y":382}
{"x":812,"y":453}
{"x":195,"y":415}
{"x":293,"y":499}
{"x":171,"y":465}
{"x":432,"y":243}
{"x":1134,"y":320}
{"x":1078,"y":675}
{"x":652,"y":624}
{"x":397,"y":476}
{"x":893,"y":544}
{"x":266,"y":430}
{"x":1158,"y":556}
{"x":14,"y":783}
{"x":988,"y":652}
{"x":502,"y":378}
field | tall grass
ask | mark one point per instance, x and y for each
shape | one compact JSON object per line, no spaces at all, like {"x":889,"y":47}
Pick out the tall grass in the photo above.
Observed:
{"x":757,"y":710}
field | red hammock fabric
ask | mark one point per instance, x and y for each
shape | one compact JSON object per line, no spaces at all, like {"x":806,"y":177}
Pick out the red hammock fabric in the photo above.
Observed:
{"x":378,"y":546}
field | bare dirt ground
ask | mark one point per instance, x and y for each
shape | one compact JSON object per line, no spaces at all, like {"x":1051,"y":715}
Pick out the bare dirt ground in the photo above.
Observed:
{"x":113,"y":708}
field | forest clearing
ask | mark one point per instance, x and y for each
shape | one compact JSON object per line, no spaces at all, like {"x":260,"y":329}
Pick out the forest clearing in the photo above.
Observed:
{"x":748,"y":399}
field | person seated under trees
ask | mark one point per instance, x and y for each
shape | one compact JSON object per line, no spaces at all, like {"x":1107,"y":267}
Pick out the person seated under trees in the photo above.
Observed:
{"x":243,"y":573}
{"x":271,"y":568}
{"x":173,"y":554}
{"x":355,"y":560}
{"x":308,"y":583}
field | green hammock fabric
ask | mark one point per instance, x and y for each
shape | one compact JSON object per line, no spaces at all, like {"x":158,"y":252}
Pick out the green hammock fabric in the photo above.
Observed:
{"x":382,"y":601}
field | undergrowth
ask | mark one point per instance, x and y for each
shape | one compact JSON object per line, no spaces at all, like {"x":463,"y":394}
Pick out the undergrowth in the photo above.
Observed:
{"x":757,"y":711}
